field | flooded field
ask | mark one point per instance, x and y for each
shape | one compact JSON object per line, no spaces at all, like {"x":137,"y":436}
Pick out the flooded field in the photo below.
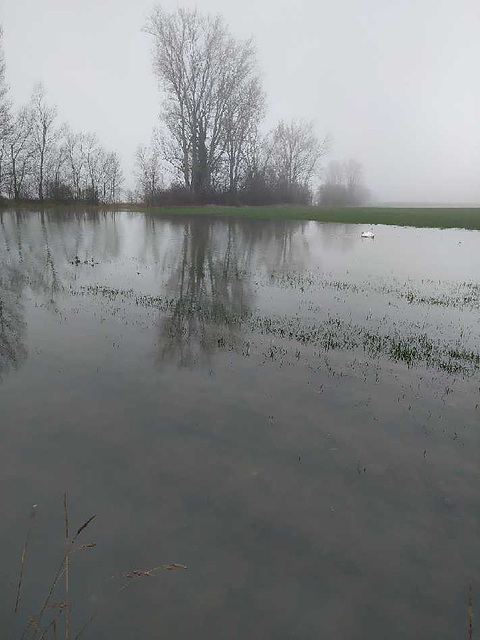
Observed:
{"x":287,"y":409}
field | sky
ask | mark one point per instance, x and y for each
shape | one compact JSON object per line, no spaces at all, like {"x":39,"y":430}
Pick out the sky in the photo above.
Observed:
{"x":394,"y":83}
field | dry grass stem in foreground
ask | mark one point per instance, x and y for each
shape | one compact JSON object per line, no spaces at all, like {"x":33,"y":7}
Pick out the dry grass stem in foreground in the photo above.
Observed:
{"x":137,"y":574}
{"x":470,"y":614}
{"x":45,"y":624}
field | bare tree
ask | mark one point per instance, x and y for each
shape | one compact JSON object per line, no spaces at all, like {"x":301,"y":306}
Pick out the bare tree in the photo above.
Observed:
{"x":148,"y":170}
{"x":296,"y":151}
{"x":258,"y":179}
{"x":57,"y":186}
{"x":201,"y":68}
{"x":78,"y":167}
{"x":94,"y":157}
{"x":245,"y":109}
{"x":4,"y":99}
{"x":4,"y":116}
{"x":20,"y":150}
{"x":75,"y":156}
{"x":112,"y":177}
{"x":3,"y":161}
{"x":44,"y":134}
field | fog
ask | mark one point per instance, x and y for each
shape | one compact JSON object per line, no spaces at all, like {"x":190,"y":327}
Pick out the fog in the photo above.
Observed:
{"x":395,"y":85}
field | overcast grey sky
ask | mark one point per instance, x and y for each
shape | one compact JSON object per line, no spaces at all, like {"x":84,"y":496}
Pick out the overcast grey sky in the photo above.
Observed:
{"x":396,"y":83}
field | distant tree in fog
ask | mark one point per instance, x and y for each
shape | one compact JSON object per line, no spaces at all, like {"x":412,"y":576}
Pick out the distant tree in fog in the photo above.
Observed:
{"x":213,"y":94}
{"x":353,"y":174}
{"x":343,"y":185}
{"x":148,"y":170}
{"x":295,"y":154}
{"x":335,"y":173}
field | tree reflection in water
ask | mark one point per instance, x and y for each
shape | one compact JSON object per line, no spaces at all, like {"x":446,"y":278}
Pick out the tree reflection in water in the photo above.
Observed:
{"x":35,"y":248}
{"x":213,"y":282}
{"x":12,"y":324}
{"x":210,"y":267}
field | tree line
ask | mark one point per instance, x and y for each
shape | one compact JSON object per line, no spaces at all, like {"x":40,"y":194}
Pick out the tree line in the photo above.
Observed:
{"x":209,"y":145}
{"x":42,"y":159}
{"x":209,"y":141}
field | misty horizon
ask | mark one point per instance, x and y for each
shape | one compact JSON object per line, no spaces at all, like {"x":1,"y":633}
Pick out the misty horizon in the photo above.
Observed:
{"x":391,"y":86}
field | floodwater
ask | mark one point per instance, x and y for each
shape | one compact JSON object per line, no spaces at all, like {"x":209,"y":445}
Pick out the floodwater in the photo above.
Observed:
{"x":290,"y":411}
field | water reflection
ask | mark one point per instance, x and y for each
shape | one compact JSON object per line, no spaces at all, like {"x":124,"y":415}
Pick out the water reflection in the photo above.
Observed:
{"x":34,"y":251}
{"x":213,"y":284}
{"x":12,"y":324}
{"x":208,"y":266}
{"x":362,"y":465}
{"x":342,"y":237}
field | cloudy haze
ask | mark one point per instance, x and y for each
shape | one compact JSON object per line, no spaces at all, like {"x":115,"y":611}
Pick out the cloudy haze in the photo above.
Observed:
{"x":395,"y":84}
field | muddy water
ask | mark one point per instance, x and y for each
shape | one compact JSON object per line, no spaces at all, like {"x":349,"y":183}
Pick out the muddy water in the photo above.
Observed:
{"x":287,"y":409}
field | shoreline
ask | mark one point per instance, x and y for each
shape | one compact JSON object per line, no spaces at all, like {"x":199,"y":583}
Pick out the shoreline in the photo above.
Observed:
{"x":421,"y":217}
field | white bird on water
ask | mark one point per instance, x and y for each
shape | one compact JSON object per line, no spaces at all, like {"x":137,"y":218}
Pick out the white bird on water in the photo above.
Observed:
{"x":368,"y":234}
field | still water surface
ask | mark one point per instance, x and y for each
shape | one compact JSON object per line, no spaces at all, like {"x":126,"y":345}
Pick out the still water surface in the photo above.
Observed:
{"x":290,"y":411}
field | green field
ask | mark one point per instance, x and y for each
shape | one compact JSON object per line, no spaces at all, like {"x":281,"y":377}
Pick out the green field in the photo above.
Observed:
{"x":435,"y":217}
{"x":462,"y":218}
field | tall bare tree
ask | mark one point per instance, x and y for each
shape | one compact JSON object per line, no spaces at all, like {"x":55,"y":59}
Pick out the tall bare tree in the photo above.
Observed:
{"x":20,"y":149}
{"x":94,"y":157}
{"x":4,"y":115}
{"x":57,"y":187}
{"x":245,"y":109}
{"x":202,"y":70}
{"x":44,"y":134}
{"x":4,"y":99}
{"x":112,"y":177}
{"x":74,"y":143}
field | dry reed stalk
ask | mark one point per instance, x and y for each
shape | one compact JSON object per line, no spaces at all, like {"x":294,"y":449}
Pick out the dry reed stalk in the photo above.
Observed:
{"x":470,"y":615}
{"x":67,"y":569}
{"x":84,"y":526}
{"x":39,"y":616}
{"x":62,"y":570}
{"x":136,"y":574}
{"x":23,"y":564}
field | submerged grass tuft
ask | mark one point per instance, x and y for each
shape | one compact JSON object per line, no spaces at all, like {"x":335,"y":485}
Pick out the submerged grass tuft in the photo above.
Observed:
{"x":332,"y":333}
